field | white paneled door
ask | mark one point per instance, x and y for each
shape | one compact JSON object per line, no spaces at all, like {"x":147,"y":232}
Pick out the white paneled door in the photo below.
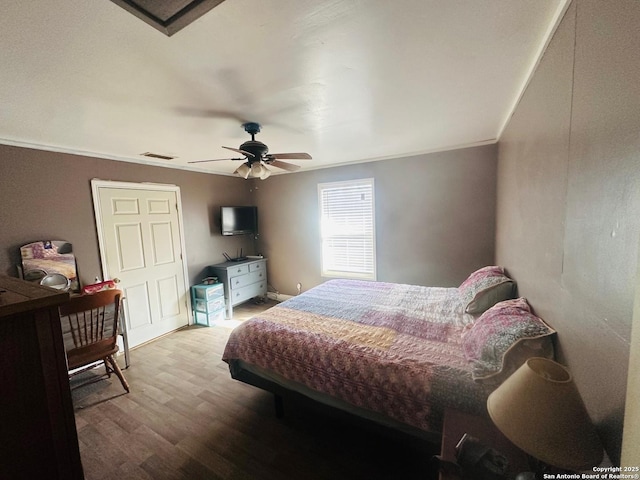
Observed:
{"x":141,"y":244}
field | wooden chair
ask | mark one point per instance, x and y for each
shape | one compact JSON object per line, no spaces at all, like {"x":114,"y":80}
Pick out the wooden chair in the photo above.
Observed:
{"x":90,"y":330}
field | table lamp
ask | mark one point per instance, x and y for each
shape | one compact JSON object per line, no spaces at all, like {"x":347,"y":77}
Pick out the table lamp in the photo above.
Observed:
{"x":540,"y":410}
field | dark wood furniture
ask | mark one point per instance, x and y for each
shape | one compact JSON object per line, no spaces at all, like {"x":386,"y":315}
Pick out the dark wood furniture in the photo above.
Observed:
{"x":457,"y":423}
{"x":93,"y":324}
{"x":37,"y":424}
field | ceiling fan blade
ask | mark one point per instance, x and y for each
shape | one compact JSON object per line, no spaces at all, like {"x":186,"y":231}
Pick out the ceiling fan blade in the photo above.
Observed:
{"x":248,"y":154}
{"x":284,"y":165}
{"x":208,"y":113}
{"x":215,"y":160}
{"x":290,"y":156}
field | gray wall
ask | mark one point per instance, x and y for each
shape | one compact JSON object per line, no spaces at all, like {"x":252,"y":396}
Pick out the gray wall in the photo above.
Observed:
{"x":569,"y":202}
{"x":435,"y":214}
{"x":435,"y":218}
{"x":47,"y":195}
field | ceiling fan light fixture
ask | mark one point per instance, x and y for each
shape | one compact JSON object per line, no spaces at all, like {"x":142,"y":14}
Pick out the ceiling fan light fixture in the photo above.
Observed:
{"x":257,"y":157}
{"x":266,"y":173}
{"x":243,"y":170}
{"x":256,"y":170}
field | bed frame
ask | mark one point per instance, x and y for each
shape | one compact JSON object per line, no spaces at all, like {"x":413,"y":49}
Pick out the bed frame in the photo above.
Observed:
{"x":281,"y":394}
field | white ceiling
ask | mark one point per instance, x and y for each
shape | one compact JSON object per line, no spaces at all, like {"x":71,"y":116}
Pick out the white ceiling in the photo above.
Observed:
{"x":347,"y":81}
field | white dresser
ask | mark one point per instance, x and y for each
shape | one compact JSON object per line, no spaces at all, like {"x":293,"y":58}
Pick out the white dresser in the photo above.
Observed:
{"x":242,"y":280}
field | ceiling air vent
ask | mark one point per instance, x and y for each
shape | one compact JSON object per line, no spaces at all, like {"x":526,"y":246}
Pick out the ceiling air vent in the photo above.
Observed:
{"x":158,"y":156}
{"x":168,"y":16}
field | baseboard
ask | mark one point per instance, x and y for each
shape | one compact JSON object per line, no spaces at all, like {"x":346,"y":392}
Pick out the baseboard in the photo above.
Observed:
{"x":278,"y":297}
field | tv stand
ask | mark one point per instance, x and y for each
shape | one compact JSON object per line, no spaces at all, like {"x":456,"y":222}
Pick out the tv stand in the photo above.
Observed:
{"x":243,"y":279}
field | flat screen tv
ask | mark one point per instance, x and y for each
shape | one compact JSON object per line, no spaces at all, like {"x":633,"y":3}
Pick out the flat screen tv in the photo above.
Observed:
{"x":239,"y":220}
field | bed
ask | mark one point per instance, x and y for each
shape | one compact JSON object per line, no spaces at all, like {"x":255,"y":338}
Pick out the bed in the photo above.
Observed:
{"x":393,"y":353}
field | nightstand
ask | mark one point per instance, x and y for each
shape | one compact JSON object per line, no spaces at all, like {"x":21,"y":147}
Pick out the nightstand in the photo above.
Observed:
{"x":457,"y":423}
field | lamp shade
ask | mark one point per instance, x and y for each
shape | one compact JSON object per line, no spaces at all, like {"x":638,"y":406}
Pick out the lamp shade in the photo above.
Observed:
{"x":256,"y":170}
{"x":243,"y":170}
{"x":266,"y":173}
{"x":540,"y":410}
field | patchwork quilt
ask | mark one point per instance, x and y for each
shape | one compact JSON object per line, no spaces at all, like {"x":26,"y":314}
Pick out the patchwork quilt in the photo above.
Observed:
{"x":393,"y":349}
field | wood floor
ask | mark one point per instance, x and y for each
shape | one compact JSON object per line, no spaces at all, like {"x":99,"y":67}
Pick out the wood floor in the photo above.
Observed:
{"x":185,"y":418}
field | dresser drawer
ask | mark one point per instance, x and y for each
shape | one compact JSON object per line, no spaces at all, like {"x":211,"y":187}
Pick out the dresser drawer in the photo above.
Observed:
{"x":245,"y":293}
{"x":239,"y":270}
{"x":244,"y":280}
{"x":258,"y":266}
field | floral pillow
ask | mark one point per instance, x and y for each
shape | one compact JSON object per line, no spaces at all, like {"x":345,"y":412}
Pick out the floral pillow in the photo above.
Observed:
{"x":503,"y":338}
{"x":484,"y":288}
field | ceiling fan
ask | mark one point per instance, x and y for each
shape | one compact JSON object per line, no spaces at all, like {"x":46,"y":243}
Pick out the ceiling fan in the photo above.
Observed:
{"x":257,"y":156}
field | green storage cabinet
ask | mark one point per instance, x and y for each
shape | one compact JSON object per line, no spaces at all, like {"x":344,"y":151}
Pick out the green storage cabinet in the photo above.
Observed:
{"x":208,"y":304}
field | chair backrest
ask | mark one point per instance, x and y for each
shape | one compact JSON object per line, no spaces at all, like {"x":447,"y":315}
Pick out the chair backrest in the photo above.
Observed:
{"x":89,"y":319}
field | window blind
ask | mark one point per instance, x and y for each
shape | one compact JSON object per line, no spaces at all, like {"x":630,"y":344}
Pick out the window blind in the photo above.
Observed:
{"x":348,"y":229}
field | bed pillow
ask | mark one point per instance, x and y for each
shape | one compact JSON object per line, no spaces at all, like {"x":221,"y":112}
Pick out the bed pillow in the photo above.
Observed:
{"x":49,"y":249}
{"x":503,"y":338}
{"x":484,"y":288}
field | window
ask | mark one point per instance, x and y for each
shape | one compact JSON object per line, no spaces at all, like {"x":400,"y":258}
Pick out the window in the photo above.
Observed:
{"x":347,"y":229}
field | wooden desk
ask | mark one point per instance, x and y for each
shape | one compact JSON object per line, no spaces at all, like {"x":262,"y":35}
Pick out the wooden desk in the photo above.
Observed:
{"x":457,"y":423}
